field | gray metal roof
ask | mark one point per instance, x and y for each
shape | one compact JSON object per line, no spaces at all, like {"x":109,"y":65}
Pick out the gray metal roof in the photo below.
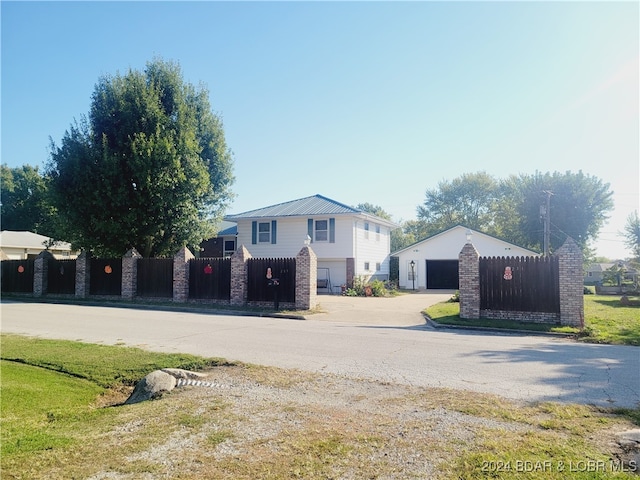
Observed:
{"x":23,"y":239}
{"x":314,"y":205}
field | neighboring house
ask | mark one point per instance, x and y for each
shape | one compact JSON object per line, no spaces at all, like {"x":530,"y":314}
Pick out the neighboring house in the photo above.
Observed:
{"x":435,"y":259}
{"x":595,"y":273}
{"x":348,"y":242}
{"x":223,"y":245}
{"x":24,"y":245}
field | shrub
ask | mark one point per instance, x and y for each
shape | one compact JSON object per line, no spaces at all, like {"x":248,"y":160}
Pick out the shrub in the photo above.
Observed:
{"x":377,"y":288}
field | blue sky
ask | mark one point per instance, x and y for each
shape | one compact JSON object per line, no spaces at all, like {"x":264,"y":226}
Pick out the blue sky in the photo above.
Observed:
{"x":358,"y":101}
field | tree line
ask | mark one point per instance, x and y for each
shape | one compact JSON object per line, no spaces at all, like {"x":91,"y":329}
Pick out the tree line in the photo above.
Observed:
{"x":149,"y":168}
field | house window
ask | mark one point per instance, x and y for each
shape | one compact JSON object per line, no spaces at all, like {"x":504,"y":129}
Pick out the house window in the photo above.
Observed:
{"x":377,"y":233}
{"x":366,"y":229}
{"x":229,"y":247}
{"x":411,"y":274}
{"x":264,"y":232}
{"x":378,"y":267}
{"x":321,"y":231}
{"x":366,"y":266}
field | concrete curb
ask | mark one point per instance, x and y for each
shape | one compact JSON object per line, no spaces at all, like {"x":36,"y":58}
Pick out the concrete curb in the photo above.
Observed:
{"x":442,"y":326}
{"x":161,"y":308}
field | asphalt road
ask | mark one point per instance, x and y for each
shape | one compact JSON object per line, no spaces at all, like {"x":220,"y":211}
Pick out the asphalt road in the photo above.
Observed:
{"x":342,"y":341}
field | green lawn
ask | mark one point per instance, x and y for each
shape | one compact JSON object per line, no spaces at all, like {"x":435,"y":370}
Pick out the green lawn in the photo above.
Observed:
{"x":58,"y":421}
{"x":606,"y":321}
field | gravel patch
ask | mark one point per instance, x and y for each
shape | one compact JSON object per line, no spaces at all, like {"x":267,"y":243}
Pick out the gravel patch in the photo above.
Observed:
{"x":342,"y":425}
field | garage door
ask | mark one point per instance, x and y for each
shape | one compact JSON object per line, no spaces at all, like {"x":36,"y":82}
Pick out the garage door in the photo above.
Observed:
{"x":442,"y":274}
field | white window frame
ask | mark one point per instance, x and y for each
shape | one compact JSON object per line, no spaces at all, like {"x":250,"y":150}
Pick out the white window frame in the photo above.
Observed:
{"x":367,"y":266}
{"x":264,"y":236}
{"x":324,"y":232}
{"x":377,"y":233}
{"x":366,"y":230}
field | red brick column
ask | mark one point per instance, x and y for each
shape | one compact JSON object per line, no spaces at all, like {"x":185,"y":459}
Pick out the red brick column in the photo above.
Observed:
{"x":239,"y":276}
{"x":306,"y":279}
{"x":571,"y":284}
{"x":469,"y":279}
{"x":181,"y":275}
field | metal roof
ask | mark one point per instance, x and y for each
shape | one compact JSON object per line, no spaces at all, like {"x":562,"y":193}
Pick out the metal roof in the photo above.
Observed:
{"x":22,"y":239}
{"x":314,"y":205}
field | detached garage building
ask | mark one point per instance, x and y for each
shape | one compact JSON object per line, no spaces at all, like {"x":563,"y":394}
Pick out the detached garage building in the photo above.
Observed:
{"x":435,"y":259}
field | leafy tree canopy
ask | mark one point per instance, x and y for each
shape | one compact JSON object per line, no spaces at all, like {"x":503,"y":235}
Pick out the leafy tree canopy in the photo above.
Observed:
{"x":632,"y":237}
{"x":467,"y":200}
{"x":579,"y":206}
{"x":510,"y":208}
{"x":25,"y":200}
{"x":149,"y":168}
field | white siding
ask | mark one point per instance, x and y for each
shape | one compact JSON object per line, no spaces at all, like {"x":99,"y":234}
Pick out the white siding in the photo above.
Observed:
{"x":447,"y":246}
{"x":350,"y":242}
{"x":337,"y":273}
{"x":291,"y":233}
{"x":371,"y":248}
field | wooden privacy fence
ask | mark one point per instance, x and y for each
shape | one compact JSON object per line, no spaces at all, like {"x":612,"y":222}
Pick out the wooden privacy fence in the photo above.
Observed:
{"x":61,"y":276}
{"x":238,"y":281}
{"x":268,"y":277}
{"x":17,"y":276}
{"x":210,"y":278}
{"x":527,"y":284}
{"x":106,"y":276}
{"x":155,"y":277}
{"x":525,"y":289}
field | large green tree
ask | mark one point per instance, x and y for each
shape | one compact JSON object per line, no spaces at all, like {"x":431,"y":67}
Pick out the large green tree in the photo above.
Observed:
{"x":511,"y":208}
{"x":579,"y":205}
{"x":149,"y":168}
{"x":467,"y":200}
{"x":25,"y":200}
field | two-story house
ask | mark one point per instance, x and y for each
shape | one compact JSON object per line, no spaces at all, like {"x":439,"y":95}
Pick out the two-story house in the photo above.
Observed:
{"x":348,"y":242}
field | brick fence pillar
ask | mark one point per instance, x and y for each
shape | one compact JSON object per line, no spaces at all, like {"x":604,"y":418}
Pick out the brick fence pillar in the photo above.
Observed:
{"x":571,"y":284}
{"x":239,"y":273}
{"x":130,"y":274}
{"x":181,"y":275}
{"x":351,"y":271}
{"x":41,"y":273}
{"x":306,"y":279}
{"x":83,"y":274}
{"x":469,"y":278}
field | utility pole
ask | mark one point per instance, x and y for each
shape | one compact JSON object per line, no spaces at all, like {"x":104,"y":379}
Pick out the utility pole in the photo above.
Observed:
{"x":545,"y":213}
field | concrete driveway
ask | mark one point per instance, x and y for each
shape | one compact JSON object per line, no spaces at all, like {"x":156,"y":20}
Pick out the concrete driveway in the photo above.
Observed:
{"x":402,"y":311}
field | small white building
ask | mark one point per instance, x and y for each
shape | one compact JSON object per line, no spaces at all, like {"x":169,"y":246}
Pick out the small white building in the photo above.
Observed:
{"x":435,"y":259}
{"x":23,"y":245}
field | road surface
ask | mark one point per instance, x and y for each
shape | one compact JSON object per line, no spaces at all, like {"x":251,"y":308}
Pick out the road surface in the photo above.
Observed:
{"x":520,"y":367}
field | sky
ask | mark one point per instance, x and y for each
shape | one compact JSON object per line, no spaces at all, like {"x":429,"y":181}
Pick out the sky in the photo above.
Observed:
{"x":362,"y":102}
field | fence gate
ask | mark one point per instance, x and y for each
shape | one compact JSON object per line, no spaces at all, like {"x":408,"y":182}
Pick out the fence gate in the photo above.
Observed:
{"x":210,"y":278}
{"x":61,"y":276}
{"x":259,"y":288}
{"x":17,"y":276}
{"x":155,"y":277}
{"x":106,"y":276}
{"x":526,"y":284}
